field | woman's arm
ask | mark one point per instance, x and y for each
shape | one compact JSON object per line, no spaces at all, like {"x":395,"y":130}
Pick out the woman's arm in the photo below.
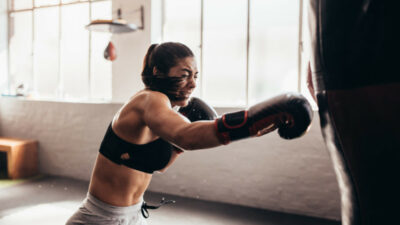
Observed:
{"x":174,"y":156}
{"x":290,"y":113}
{"x":171,"y":126}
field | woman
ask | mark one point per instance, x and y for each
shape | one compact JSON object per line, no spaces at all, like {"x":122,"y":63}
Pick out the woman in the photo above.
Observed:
{"x":142,"y":136}
{"x":118,"y":182}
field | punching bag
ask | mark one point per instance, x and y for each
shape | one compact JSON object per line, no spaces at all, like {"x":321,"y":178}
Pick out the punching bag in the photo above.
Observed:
{"x":110,"y":53}
{"x":358,"y":96}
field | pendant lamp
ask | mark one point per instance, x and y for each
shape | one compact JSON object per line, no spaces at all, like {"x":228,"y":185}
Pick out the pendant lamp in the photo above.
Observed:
{"x":116,"y":26}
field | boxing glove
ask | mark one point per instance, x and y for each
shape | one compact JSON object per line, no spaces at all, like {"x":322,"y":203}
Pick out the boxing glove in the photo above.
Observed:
{"x":290,"y":113}
{"x":197,"y":109}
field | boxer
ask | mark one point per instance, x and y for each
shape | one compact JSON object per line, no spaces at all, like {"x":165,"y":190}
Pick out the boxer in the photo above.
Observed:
{"x":147,"y":135}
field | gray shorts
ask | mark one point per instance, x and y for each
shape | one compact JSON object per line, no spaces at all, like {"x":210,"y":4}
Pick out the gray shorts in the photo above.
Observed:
{"x":93,"y":211}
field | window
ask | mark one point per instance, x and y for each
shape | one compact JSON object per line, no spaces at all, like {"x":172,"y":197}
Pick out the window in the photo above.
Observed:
{"x":247,"y":50}
{"x":51,"y":54}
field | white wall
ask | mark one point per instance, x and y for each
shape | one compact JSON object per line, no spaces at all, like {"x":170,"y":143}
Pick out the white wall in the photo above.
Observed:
{"x":271,"y":173}
{"x":131,"y":47}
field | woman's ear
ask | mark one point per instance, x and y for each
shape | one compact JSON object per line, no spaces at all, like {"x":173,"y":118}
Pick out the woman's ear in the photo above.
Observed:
{"x":155,"y":71}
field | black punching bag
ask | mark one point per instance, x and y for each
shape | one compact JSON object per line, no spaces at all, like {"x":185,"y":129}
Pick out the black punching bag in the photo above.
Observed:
{"x":358,"y":95}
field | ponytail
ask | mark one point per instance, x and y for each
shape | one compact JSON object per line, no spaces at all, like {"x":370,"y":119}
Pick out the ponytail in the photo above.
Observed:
{"x":147,"y":70}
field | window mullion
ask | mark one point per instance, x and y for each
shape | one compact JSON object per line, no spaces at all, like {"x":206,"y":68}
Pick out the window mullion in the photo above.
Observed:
{"x":300,"y":45}
{"x":247,"y":52}
{"x":32,"y":58}
{"x":8,"y":44}
{"x":201,"y":48}
{"x":90,"y":56}
{"x":163,"y":20}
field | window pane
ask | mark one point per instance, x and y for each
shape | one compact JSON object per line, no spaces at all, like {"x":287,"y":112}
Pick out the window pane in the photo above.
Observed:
{"x":273,"y":59}
{"x":182,"y":23}
{"x":100,"y":69}
{"x":46,"y":2}
{"x":20,"y":4}
{"x":75,"y":51}
{"x":224,"y":52}
{"x":46,"y":52}
{"x":3,"y":50}
{"x":20,"y":51}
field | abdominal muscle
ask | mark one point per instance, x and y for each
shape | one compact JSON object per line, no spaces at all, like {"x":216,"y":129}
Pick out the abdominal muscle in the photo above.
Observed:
{"x":116,"y":184}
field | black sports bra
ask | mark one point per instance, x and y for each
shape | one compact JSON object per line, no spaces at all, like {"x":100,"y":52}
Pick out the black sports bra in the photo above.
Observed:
{"x":148,"y":157}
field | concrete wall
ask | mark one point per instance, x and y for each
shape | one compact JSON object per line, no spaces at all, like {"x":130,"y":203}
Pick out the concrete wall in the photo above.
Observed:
{"x":293,"y":176}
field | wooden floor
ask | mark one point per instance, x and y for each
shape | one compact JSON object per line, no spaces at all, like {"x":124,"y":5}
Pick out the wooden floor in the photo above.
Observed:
{"x":52,"y":200}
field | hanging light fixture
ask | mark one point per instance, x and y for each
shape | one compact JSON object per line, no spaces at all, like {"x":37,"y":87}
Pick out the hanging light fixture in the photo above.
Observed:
{"x":116,"y":26}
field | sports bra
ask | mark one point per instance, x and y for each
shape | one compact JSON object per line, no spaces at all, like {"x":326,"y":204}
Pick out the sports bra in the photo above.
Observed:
{"x":148,"y":157}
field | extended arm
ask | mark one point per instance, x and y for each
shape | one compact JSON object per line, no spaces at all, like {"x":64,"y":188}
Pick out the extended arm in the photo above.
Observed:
{"x":173,"y":127}
{"x":290,"y":113}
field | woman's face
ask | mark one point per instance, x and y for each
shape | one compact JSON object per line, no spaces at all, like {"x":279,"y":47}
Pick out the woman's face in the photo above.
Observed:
{"x":186,"y":69}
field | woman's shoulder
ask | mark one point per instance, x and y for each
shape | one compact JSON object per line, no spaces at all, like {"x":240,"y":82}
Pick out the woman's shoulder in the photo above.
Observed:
{"x":150,"y":95}
{"x":146,"y":97}
{"x":141,"y":103}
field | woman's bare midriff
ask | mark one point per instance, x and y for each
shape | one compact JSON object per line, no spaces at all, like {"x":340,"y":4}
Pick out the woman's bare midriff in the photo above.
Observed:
{"x":117,"y":185}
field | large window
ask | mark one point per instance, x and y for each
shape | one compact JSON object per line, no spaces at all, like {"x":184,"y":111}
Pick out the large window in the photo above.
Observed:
{"x":247,"y":50}
{"x":52,"y":55}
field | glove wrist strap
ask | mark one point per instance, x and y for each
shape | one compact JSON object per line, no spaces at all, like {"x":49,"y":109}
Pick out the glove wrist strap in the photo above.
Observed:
{"x":232,"y":126}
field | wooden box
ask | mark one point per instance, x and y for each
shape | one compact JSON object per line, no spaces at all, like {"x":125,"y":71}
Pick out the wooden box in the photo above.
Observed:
{"x":22,"y":157}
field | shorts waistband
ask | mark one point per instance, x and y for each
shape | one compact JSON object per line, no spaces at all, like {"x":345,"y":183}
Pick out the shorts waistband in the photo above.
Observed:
{"x":96,"y":205}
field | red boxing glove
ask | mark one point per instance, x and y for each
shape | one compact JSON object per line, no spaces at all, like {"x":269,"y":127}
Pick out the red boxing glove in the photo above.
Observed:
{"x":291,"y":113}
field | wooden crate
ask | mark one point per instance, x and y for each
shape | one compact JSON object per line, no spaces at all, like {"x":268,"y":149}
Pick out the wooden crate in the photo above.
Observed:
{"x":22,"y":157}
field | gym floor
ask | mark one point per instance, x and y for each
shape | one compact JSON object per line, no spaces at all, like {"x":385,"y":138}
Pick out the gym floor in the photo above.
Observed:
{"x":49,"y":200}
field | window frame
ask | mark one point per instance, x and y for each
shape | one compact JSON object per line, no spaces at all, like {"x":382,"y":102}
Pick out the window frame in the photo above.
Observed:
{"x":59,"y":96}
{"x":247,"y":98}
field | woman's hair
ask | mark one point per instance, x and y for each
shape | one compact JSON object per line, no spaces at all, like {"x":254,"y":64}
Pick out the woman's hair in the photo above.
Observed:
{"x":163,"y":57}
